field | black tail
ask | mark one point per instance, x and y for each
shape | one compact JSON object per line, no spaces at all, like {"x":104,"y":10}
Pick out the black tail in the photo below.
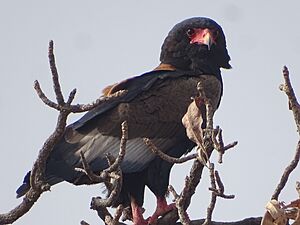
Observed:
{"x":24,"y":188}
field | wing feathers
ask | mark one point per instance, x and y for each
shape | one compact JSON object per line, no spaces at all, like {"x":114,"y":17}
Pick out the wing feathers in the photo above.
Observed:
{"x":95,"y":148}
{"x":153,"y":108}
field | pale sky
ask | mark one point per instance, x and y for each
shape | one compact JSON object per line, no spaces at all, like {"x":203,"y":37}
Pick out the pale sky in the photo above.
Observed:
{"x":101,"y":42}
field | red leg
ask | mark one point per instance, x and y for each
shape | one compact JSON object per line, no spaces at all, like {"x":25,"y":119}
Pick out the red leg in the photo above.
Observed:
{"x":161,"y":209}
{"x":137,"y":214}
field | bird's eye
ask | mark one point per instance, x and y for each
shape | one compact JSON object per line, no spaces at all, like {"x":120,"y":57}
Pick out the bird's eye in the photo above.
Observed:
{"x":190,"y":32}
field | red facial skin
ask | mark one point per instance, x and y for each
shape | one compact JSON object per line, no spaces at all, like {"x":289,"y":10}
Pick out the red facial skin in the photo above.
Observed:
{"x":202,"y":36}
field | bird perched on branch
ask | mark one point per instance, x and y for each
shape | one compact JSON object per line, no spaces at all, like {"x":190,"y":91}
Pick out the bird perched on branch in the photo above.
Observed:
{"x":153,"y":106}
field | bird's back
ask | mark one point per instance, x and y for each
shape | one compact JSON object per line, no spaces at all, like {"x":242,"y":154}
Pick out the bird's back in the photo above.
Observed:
{"x":155,"y":112}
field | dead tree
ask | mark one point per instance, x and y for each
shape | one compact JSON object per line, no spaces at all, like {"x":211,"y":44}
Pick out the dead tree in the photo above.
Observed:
{"x":207,"y":140}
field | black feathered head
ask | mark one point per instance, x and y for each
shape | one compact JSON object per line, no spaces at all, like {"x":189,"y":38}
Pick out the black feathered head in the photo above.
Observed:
{"x":196,"y":44}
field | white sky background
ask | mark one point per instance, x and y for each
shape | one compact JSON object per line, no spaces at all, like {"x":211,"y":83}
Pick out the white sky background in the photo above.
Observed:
{"x":100,"y":42}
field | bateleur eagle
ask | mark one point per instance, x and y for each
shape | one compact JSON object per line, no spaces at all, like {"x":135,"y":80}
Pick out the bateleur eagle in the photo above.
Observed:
{"x":153,"y":106}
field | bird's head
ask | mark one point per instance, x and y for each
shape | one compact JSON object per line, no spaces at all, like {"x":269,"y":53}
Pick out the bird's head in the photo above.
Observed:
{"x":196,"y":44}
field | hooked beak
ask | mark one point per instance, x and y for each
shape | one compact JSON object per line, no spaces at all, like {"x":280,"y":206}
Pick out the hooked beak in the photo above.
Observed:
{"x":202,"y":36}
{"x":207,"y":40}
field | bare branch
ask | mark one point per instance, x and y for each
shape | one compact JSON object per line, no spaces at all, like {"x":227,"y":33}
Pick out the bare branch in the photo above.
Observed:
{"x":298,"y":188}
{"x":173,"y":192}
{"x":188,"y":191}
{"x":208,"y":106}
{"x":217,"y":188}
{"x":293,"y":102}
{"x":231,"y":145}
{"x":87,"y":170}
{"x":294,"y":106}
{"x":166,"y":157}
{"x":71,"y":97}
{"x":112,"y":172}
{"x":56,"y":84}
{"x":200,"y":111}
{"x":43,"y":97}
{"x":218,"y":143}
{"x":38,"y":185}
{"x":79,"y":107}
{"x":247,"y":221}
{"x":118,"y":213}
{"x":104,"y":214}
{"x":213,"y":199}
{"x":114,"y":186}
{"x":113,"y":179}
{"x":288,"y":170}
{"x":184,"y":218}
{"x":83,"y":223}
{"x":102,"y":211}
{"x":219,"y":182}
{"x":86,"y":107}
{"x":116,"y":164}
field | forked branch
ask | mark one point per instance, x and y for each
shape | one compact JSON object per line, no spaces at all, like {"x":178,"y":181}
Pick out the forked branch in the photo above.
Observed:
{"x":294,"y":106}
{"x":37,"y":182}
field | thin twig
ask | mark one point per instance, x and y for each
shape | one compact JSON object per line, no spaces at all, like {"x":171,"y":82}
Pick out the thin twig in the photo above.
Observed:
{"x":121,"y":155}
{"x":38,"y":185}
{"x":78,"y":108}
{"x":198,"y":112}
{"x":298,"y":188}
{"x":88,"y":171}
{"x":288,"y":170}
{"x":113,"y":171}
{"x":114,"y":187}
{"x":231,"y":145}
{"x":103,"y":213}
{"x":87,"y":107}
{"x":112,"y":178}
{"x":184,"y":219}
{"x":213,"y":199}
{"x":43,"y":97}
{"x":71,"y":97}
{"x":217,"y":188}
{"x":56,"y":84}
{"x":118,"y":213}
{"x":82,"y":222}
{"x":166,"y":157}
{"x":289,"y":91}
{"x":294,"y":106}
{"x":217,"y":139}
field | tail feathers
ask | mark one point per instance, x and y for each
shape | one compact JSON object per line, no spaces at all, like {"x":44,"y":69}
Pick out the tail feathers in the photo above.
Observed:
{"x":24,"y":188}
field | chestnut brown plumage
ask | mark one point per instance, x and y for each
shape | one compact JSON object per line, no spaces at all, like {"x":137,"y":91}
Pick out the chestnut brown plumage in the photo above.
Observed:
{"x":153,"y":106}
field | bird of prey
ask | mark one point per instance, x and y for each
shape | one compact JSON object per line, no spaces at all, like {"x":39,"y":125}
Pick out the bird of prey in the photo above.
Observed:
{"x":153,"y":106}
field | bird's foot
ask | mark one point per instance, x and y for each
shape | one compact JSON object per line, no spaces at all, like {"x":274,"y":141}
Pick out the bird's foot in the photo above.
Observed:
{"x":139,"y":221}
{"x":137,"y":215}
{"x":161,"y":209}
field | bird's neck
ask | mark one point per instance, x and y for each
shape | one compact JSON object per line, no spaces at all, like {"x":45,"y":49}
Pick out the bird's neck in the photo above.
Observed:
{"x":198,"y":66}
{"x":165,"y":66}
{"x":205,"y":66}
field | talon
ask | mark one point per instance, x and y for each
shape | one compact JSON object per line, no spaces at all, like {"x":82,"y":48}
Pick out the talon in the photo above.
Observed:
{"x":161,"y":209}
